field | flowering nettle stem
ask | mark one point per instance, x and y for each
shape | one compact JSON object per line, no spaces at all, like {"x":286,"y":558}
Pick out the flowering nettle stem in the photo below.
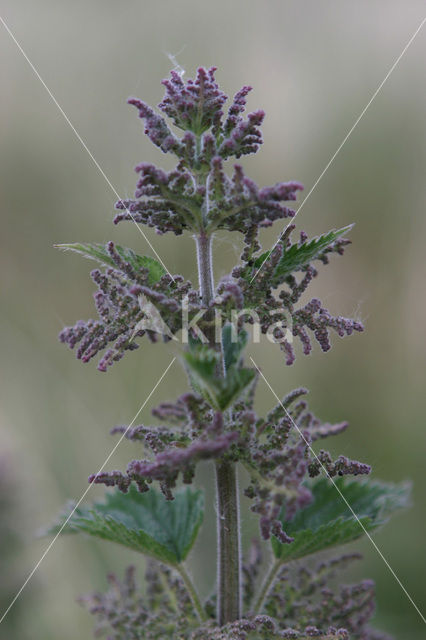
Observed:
{"x":299,"y":514}
{"x":228,"y":520}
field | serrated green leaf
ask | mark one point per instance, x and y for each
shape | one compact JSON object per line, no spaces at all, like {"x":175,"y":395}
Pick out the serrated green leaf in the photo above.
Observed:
{"x":233,"y":344}
{"x":328,"y":522}
{"x":261,"y":259}
{"x":201,"y":369}
{"x":232,"y":386}
{"x":99,"y":252}
{"x":299,"y":256}
{"x":145,"y":522}
{"x":219,"y":391}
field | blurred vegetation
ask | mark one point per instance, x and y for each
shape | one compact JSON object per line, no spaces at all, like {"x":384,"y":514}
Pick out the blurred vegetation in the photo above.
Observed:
{"x":313,"y":66}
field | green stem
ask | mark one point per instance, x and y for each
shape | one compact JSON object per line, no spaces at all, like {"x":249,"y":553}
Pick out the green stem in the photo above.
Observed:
{"x":189,"y":585}
{"x":228,"y":518}
{"x":228,"y":534}
{"x":266,"y":586}
{"x":205,"y":269}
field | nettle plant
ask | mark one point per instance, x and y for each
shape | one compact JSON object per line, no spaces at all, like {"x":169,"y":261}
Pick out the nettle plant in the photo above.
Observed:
{"x":301,"y":514}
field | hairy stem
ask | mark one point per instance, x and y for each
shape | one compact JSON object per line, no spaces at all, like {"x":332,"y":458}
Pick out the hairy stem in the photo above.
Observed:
{"x":228,"y":519}
{"x":266,"y":586}
{"x":205,"y":269}
{"x":189,"y":585}
{"x":228,"y":533}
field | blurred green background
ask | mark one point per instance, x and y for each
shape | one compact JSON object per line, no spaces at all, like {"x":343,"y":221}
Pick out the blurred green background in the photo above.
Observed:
{"x":313,"y":66}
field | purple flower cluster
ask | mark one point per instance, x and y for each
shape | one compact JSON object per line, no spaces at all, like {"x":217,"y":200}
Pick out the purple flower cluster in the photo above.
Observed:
{"x":194,"y":106}
{"x":166,"y":201}
{"x":168,"y":464}
{"x":174,"y":201}
{"x":200,"y":436}
{"x":165,"y":612}
{"x":278,"y":458}
{"x":263,"y":627}
{"x":300,"y":597}
{"x":198,"y":194}
{"x":276,"y":455}
{"x":238,"y":204}
{"x":305,"y":594}
{"x":277,"y":310}
{"x":343,"y":466}
{"x":121,"y":301}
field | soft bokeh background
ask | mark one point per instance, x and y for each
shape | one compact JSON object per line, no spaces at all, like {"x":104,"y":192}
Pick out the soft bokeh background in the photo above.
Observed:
{"x":313,"y":66}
